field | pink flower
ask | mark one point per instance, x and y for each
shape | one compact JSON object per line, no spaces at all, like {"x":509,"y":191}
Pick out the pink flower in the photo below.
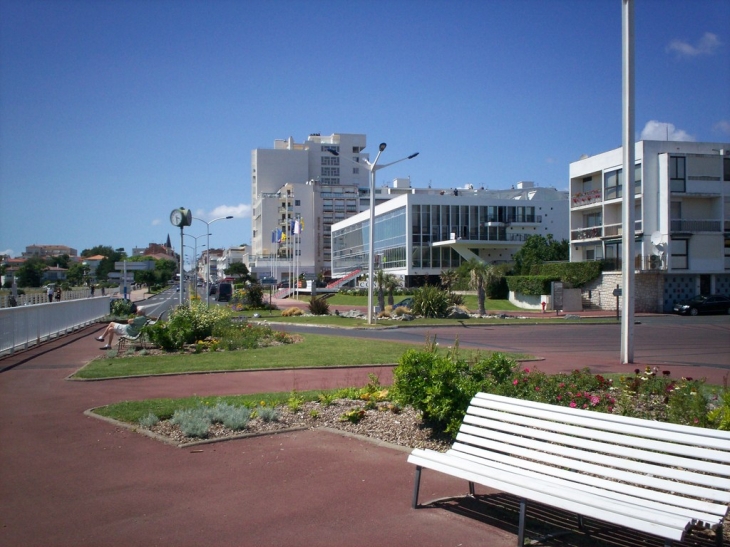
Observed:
{"x":560,"y":397}
{"x":572,"y":404}
{"x":537,"y":388}
{"x":527,"y":371}
{"x":515,"y":382}
{"x":595,"y":400}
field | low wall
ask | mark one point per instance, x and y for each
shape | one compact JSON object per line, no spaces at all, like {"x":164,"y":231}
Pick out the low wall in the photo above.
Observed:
{"x":24,"y":326}
{"x":648,"y":292}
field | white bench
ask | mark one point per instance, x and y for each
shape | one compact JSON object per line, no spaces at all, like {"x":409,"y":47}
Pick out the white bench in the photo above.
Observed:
{"x":658,"y":478}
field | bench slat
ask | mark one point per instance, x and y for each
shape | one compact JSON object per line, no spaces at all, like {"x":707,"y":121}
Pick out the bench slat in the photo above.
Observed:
{"x":696,"y":436}
{"x":689,"y":507}
{"x":668,"y":526}
{"x":578,"y":437}
{"x":696,"y":456}
{"x":558,"y":458}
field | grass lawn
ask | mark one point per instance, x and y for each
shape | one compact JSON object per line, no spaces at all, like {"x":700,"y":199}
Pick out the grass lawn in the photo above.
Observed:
{"x":470,"y":301}
{"x":314,"y":351}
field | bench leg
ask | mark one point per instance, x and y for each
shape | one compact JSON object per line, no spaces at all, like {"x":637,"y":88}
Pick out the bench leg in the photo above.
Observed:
{"x":416,"y":487}
{"x":718,"y":535}
{"x":471,"y":489}
{"x":521,"y":529}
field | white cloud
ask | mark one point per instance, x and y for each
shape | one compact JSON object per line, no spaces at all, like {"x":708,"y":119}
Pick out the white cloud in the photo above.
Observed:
{"x":8,"y":252}
{"x":723,"y":126}
{"x":662,"y":131}
{"x":236,"y":211}
{"x":156,"y":222}
{"x":707,"y":45}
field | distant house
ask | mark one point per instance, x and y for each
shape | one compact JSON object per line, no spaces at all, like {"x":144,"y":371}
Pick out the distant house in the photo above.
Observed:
{"x":45,"y":251}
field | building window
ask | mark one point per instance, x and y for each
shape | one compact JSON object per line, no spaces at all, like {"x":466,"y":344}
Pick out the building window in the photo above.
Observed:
{"x":677,"y":174}
{"x":355,"y":170}
{"x":679,"y":249}
{"x":726,"y":169}
{"x":297,"y":203}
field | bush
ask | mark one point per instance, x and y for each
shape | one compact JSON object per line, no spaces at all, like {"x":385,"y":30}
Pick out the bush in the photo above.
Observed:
{"x":319,"y":306}
{"x":292,"y":312}
{"x":442,"y":386}
{"x":121,"y":307}
{"x":430,"y":301}
{"x":187,"y":325}
{"x":534,"y":285}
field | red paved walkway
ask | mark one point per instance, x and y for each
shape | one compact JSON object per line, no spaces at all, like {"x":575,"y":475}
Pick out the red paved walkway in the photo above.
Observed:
{"x":67,"y":479}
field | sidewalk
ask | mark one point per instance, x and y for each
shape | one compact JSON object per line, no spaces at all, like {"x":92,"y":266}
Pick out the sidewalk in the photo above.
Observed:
{"x":68,"y":479}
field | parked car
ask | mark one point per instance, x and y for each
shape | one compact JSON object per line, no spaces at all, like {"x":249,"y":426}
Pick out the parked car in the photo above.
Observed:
{"x":704,"y":304}
{"x":405,"y":303}
{"x":225,"y":291}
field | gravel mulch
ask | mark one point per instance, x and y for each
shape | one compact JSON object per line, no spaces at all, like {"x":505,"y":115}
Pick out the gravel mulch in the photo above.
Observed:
{"x":403,"y":427}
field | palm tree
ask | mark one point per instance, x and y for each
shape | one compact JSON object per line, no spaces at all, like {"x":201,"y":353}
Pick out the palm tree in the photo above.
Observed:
{"x":391,"y":284}
{"x":481,"y":275}
{"x":449,"y":279}
{"x":380,"y":277}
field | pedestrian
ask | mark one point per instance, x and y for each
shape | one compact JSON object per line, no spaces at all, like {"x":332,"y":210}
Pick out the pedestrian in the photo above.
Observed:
{"x":131,"y":328}
{"x":50,"y":293}
{"x":92,"y":289}
{"x":103,"y":290}
{"x":58,"y":294}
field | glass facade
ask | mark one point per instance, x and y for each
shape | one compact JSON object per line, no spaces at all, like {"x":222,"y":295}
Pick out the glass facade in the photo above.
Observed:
{"x":429,"y":223}
{"x":351,"y":245}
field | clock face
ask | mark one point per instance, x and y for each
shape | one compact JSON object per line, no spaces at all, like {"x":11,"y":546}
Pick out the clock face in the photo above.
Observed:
{"x":176,"y":217}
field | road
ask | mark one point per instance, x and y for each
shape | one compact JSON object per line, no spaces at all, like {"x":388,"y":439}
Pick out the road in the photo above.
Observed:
{"x":675,"y":343}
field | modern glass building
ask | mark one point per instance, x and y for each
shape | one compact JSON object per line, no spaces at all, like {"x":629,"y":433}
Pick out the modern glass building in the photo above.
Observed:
{"x":424,"y":232}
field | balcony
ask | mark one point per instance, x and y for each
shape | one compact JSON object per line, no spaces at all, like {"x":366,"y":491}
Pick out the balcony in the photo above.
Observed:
{"x":585,"y":198}
{"x":642,"y":263}
{"x":586,"y":233}
{"x":691,"y":226}
{"x":615,"y":230}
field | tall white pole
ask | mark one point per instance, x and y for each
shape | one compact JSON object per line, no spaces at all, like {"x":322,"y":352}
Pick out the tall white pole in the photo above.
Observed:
{"x":182,"y":271}
{"x":371,"y":249}
{"x":628,"y":235}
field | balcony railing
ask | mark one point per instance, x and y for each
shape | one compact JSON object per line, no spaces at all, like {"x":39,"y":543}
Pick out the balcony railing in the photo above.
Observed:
{"x":682,"y":225}
{"x":642,"y":263}
{"x":585,"y":198}
{"x":611,"y":230}
{"x":586,"y":233}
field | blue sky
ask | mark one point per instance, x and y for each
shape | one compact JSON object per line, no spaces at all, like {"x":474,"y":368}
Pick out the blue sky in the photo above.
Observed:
{"x":114,"y":113}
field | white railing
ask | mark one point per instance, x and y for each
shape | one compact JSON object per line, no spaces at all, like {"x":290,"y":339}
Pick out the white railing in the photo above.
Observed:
{"x":25,"y":326}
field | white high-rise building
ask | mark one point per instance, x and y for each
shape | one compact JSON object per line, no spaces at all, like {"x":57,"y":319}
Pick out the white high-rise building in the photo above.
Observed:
{"x":304,"y":182}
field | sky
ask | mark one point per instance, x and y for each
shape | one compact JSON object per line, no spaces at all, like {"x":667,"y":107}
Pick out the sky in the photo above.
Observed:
{"x":114,"y":113}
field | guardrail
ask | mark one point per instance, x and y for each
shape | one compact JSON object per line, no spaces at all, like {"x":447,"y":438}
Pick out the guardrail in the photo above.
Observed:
{"x":24,"y":326}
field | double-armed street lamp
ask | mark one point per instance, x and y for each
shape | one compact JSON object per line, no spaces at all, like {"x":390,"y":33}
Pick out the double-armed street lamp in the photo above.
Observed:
{"x":372,"y":167}
{"x":207,"y":262}
{"x":196,"y":252}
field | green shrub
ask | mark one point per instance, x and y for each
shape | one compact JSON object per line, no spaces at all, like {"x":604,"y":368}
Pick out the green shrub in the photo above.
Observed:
{"x":268,"y":414}
{"x":720,"y":416}
{"x":187,"y":325}
{"x":121,"y":307}
{"x":149,"y":420}
{"x":193,"y":422}
{"x":319,"y":306}
{"x":442,"y":386}
{"x":430,"y":301}
{"x":534,"y":285}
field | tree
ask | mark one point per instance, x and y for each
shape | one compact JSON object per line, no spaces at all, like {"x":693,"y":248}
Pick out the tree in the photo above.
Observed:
{"x":75,"y":274}
{"x":386,"y":282}
{"x":538,"y":249}
{"x":481,"y":275}
{"x":238,"y":270}
{"x":30,"y":273}
{"x":449,"y":279}
{"x":106,"y":265}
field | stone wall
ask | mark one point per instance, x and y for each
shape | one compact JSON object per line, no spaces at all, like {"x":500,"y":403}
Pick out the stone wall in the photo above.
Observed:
{"x":648,"y":289}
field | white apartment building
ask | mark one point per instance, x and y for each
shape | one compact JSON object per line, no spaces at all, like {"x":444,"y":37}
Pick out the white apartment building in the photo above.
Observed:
{"x":421,"y":232}
{"x":304,"y":182}
{"x":682,"y":218}
{"x":228,"y":256}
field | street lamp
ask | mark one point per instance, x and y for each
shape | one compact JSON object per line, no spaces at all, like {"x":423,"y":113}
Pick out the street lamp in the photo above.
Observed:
{"x":372,"y":167}
{"x":207,"y":262}
{"x":196,"y":252}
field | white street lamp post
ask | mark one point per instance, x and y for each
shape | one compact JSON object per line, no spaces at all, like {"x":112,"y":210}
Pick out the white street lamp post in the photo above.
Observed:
{"x":195,"y":260}
{"x":207,"y":262}
{"x":372,"y":167}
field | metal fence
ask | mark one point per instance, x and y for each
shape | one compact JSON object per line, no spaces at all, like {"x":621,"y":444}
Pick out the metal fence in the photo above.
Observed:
{"x":24,"y":326}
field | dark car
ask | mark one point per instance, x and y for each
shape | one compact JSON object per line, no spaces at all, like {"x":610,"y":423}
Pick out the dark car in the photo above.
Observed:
{"x":405,"y":303}
{"x":225,"y":291}
{"x":704,"y":304}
